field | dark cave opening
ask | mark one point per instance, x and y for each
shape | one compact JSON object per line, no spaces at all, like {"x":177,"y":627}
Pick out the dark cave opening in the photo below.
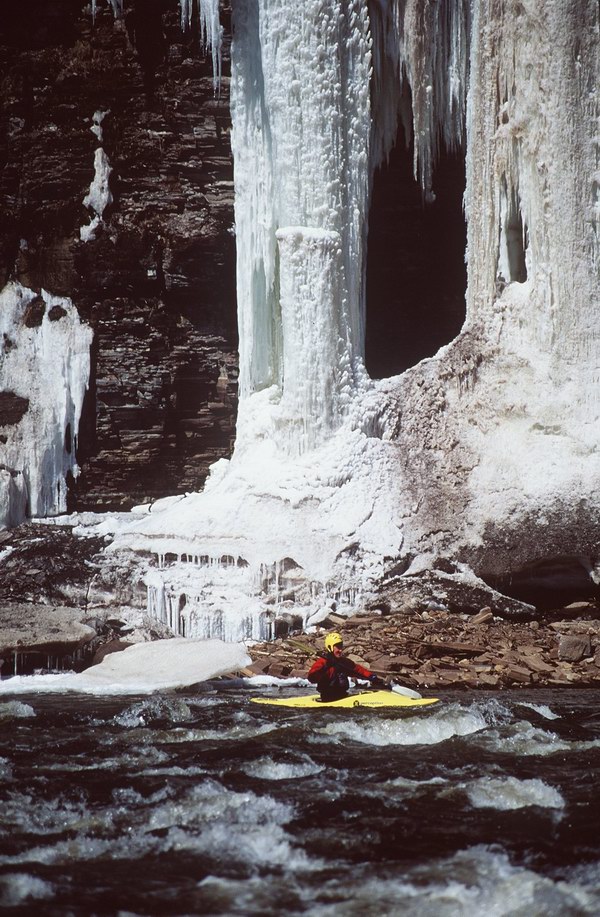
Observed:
{"x":416,"y":272}
{"x":552,"y":583}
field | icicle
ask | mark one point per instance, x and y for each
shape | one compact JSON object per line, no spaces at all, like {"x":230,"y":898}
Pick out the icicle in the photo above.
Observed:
{"x":423,"y":49}
{"x":116,"y":6}
{"x":211,"y":31}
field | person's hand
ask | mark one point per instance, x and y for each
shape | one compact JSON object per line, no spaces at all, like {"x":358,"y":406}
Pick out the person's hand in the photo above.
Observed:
{"x":376,"y":680}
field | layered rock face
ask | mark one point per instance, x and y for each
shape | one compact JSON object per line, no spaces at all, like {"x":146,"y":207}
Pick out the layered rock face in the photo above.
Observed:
{"x":116,"y":192}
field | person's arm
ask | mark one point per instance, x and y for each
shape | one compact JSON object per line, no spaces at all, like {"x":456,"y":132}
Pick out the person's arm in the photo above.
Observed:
{"x":358,"y":671}
{"x":362,"y":672}
{"x":316,"y":670}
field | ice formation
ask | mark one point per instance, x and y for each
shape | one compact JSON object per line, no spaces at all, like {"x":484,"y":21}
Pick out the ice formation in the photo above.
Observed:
{"x":115,"y":5}
{"x":45,"y":363}
{"x":141,"y":669}
{"x":99,"y":196}
{"x":487,"y":452}
{"x":211,"y":30}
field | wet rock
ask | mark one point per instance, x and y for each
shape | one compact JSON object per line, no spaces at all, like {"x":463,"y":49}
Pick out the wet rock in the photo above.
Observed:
{"x":12,"y":408}
{"x":34,"y":313}
{"x":42,"y":637}
{"x":45,"y":628}
{"x":47,"y":564}
{"x":453,"y":593}
{"x":111,"y":646}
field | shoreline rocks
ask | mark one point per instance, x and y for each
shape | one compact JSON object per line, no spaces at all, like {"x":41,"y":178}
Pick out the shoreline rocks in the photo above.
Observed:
{"x":438,"y":649}
{"x":430,"y":630}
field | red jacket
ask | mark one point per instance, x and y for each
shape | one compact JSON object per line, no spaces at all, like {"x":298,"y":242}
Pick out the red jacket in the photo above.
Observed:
{"x":330,"y":673}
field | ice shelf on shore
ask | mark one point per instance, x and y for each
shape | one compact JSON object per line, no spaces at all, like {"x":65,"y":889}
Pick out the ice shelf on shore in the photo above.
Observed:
{"x":487,"y":451}
{"x":141,"y":669}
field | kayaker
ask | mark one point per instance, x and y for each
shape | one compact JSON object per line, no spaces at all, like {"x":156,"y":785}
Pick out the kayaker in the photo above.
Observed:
{"x":330,"y":672}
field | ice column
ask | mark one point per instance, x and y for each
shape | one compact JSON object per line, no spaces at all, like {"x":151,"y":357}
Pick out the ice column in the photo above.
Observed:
{"x":301,"y":139}
{"x":316,"y":360}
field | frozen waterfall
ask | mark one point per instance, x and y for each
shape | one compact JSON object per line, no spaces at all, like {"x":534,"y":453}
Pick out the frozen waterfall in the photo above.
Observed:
{"x":483,"y":453}
{"x":44,"y":369}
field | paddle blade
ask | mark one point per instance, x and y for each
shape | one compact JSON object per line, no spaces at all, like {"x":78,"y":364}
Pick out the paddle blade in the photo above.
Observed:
{"x":406,"y":692}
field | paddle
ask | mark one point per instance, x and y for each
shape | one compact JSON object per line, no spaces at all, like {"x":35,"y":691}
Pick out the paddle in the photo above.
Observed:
{"x":405,"y":692}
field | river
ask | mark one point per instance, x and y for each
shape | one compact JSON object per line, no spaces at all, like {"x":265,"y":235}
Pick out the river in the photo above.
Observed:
{"x":201,"y":802}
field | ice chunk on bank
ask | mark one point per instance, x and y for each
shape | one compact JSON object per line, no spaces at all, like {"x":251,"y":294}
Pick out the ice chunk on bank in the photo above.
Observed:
{"x":142,"y":669}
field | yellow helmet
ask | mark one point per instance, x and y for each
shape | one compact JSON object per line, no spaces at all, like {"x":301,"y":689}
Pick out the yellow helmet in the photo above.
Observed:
{"x":332,"y":640}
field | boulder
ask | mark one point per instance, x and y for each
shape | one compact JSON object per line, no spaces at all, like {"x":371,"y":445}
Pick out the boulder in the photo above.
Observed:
{"x":574,"y":647}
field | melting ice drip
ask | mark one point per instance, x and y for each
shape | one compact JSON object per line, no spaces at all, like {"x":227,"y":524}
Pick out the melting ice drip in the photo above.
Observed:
{"x":317,"y":90}
{"x":99,"y":195}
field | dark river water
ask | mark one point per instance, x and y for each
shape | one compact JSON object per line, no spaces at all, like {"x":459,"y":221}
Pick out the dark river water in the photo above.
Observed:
{"x":204,"y":803}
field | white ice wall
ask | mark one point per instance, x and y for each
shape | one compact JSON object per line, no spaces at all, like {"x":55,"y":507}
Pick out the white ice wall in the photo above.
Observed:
{"x":48,"y":364}
{"x":534,"y":148}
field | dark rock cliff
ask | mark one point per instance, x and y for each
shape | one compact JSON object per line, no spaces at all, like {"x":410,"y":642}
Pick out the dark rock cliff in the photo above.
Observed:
{"x":157,"y":279}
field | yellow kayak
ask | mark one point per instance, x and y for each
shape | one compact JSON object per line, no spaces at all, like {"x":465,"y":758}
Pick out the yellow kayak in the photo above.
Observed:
{"x":364,"y":699}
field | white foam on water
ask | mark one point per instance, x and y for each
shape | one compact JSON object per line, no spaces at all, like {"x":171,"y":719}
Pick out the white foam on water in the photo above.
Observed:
{"x":250,"y":895}
{"x":127,"y":796}
{"x":44,"y":817}
{"x":476,"y":881}
{"x":524,"y":739}
{"x":268,"y":769}
{"x":506,"y":793}
{"x":421,"y":729}
{"x":174,"y":771}
{"x":16,"y":888}
{"x":242,"y":827}
{"x":404,"y":786}
{"x":270,"y":681}
{"x":236,"y":733}
{"x":15,"y":710}
{"x":239,"y":827}
{"x":147,"y":711}
{"x":141,"y":754}
{"x":542,"y":709}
